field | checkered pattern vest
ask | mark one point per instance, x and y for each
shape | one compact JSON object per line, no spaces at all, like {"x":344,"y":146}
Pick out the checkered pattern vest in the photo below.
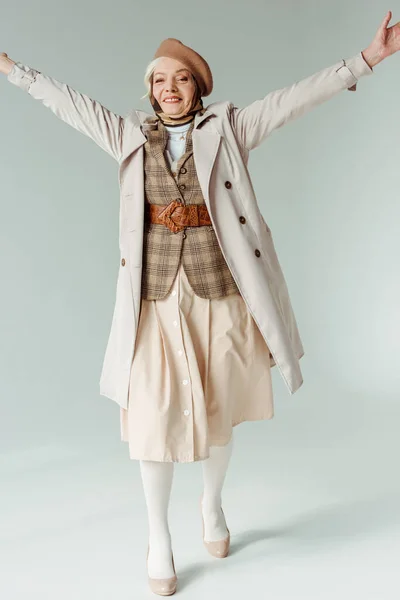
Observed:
{"x":197,"y":247}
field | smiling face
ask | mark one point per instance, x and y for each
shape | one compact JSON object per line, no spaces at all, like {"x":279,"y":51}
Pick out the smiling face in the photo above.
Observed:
{"x":171,"y":79}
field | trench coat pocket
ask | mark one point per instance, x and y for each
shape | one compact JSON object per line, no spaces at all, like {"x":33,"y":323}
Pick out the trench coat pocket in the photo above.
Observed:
{"x":267,"y":244}
{"x":267,"y":229}
{"x":129,"y":213}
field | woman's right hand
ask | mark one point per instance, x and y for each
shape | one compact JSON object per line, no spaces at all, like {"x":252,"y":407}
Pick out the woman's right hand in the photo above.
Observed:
{"x":6,"y":64}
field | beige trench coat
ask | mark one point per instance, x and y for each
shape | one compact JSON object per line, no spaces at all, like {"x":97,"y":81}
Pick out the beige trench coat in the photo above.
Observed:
{"x":222,"y":139}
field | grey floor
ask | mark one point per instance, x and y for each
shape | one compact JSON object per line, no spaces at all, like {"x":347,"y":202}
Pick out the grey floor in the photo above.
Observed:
{"x":312,"y":499}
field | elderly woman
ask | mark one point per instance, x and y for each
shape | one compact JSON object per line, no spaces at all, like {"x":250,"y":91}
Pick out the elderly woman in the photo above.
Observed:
{"x":202,"y":311}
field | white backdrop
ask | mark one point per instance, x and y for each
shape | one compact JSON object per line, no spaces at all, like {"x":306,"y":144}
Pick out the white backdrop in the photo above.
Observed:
{"x":324,"y":470}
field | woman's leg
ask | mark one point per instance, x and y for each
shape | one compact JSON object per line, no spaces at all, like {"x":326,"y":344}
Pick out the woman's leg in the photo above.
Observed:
{"x":157,"y":483}
{"x":214,"y":471}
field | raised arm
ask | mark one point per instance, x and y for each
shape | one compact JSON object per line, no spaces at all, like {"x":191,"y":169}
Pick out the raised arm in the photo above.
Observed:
{"x":78,"y":110}
{"x":254,"y":123}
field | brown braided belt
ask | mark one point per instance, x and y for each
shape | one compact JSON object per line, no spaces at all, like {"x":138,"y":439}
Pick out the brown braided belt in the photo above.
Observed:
{"x":176,"y":216}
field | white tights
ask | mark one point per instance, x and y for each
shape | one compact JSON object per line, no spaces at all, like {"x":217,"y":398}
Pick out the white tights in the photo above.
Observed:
{"x":157,"y":483}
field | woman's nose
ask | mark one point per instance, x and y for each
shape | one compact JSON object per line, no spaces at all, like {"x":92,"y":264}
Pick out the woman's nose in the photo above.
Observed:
{"x":170,"y":87}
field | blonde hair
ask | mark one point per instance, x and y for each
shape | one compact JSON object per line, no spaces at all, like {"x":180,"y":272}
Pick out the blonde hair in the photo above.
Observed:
{"x":149,"y":75}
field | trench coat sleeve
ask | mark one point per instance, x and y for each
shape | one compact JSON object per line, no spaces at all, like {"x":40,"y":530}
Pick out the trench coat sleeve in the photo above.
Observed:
{"x":78,"y":110}
{"x":254,"y":123}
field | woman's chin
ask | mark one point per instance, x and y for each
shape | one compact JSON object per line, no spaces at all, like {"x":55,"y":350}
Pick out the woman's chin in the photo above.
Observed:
{"x":174,"y":111}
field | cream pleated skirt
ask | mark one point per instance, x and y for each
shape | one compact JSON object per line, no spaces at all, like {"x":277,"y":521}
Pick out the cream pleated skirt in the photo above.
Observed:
{"x":200,"y":367}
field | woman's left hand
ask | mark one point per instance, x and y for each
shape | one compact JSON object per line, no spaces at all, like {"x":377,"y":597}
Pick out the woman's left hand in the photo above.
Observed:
{"x":385,"y":43}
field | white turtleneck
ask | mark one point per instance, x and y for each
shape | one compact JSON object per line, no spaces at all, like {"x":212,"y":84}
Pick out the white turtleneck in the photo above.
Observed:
{"x":175,"y":146}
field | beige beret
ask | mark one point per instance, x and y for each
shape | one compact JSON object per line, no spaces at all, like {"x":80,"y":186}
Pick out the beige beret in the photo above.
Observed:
{"x":173,"y":48}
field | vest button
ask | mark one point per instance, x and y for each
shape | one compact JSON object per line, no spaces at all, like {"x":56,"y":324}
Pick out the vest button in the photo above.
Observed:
{"x":174,"y":173}
{"x":242,"y":219}
{"x":183,"y":170}
{"x":123,"y":262}
{"x":228,"y":185}
{"x":257,"y":252}
{"x":182,"y":186}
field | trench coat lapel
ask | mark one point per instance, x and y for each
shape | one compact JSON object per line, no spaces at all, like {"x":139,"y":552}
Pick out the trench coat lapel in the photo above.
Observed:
{"x":206,"y":143}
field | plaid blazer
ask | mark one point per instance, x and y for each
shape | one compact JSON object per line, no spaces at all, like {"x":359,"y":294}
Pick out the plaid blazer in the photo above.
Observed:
{"x":197,"y":247}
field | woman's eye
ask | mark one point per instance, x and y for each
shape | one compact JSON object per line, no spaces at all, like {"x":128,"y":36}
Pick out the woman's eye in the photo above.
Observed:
{"x":181,"y":79}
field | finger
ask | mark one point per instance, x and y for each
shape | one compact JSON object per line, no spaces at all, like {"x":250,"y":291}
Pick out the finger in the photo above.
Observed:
{"x":386,"y":20}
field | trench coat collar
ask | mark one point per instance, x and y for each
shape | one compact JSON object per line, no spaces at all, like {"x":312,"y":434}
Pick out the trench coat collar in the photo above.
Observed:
{"x":139,"y":119}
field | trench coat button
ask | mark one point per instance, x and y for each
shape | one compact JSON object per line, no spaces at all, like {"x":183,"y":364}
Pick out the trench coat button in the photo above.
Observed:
{"x":242,"y":219}
{"x":257,"y":252}
{"x":183,"y":170}
{"x":228,"y":185}
{"x":123,"y":262}
{"x":182,"y":186}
